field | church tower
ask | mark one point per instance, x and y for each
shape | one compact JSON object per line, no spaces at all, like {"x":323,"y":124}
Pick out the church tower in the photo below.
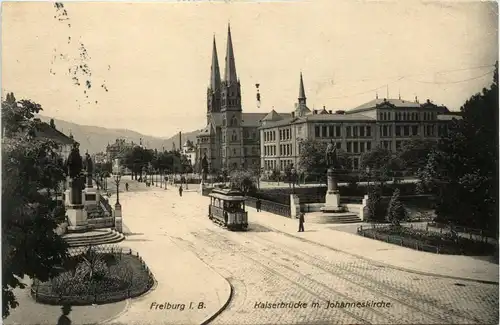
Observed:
{"x":214,"y":90}
{"x":301,"y":108}
{"x":232,"y":132}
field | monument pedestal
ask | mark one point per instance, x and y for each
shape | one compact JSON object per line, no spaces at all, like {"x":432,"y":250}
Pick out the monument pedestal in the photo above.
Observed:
{"x":77,"y":218}
{"x":118,"y":218}
{"x":90,"y":196}
{"x":332,"y":197}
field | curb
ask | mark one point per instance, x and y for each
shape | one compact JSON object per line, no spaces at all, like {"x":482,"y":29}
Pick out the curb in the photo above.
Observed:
{"x":385,"y":264}
{"x":224,"y":306}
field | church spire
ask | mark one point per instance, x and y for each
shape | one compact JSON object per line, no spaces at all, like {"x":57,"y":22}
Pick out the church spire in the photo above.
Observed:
{"x":230,"y":73}
{"x":302,"y":93}
{"x":215,"y":71}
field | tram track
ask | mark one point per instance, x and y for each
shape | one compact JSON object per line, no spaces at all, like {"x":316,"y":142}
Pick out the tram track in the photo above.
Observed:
{"x":399,"y":295}
{"x":430,"y":309}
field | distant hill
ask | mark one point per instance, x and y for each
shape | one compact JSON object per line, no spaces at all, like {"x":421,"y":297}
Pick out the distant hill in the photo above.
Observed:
{"x":95,"y":138}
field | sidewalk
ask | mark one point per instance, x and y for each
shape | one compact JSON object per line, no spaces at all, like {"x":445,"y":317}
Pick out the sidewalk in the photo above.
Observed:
{"x":182,"y":278}
{"x":454,"y":266}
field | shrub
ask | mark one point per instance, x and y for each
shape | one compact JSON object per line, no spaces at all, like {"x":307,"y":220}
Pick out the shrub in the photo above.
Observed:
{"x":375,"y":208}
{"x":396,"y":211}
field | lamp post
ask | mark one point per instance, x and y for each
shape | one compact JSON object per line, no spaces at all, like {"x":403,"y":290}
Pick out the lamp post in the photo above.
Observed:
{"x":293,"y":174}
{"x":368,"y":174}
{"x":118,"y":208}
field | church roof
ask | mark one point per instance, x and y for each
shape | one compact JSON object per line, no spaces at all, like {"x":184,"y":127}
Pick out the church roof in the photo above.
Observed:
{"x":252,"y":119}
{"x":272,"y":116}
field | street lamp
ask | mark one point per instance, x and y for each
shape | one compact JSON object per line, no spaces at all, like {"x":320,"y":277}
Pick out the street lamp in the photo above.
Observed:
{"x":117,"y":177}
{"x":368,"y":174}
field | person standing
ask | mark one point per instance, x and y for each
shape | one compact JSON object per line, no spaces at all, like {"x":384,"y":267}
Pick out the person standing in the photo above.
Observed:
{"x":126,"y":187}
{"x":258,"y":204}
{"x":180,"y":190}
{"x":301,"y":222}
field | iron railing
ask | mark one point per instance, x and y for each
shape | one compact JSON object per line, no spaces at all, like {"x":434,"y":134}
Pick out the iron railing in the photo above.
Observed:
{"x":270,"y":206}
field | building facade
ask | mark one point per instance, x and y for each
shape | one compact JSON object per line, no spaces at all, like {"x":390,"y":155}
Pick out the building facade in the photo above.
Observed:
{"x":230,"y":139}
{"x":381,"y":122}
{"x":118,"y":149}
{"x":189,"y":150}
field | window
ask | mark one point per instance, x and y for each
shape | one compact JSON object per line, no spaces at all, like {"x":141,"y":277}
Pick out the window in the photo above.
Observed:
{"x":330,"y":131}
{"x":348,"y":131}
{"x":398,"y":145}
{"x":234,"y":152}
{"x":414,"y":129}
{"x":349,"y":146}
{"x":224,"y":121}
{"x":234,"y":121}
{"x":406,"y":130}
{"x":361,"y":147}
{"x":356,"y":162}
{"x":324,"y":132}
{"x":398,"y":130}
{"x":244,"y":151}
{"x":354,"y":131}
{"x":246,"y":133}
{"x":337,"y":131}
{"x":368,"y":146}
{"x":384,"y":131}
{"x":355,"y":147}
{"x":338,"y":145}
{"x":316,"y":131}
{"x":234,"y":136}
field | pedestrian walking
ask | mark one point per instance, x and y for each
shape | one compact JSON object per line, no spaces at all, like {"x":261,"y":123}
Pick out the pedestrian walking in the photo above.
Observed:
{"x":180,"y":190}
{"x":126,"y":187}
{"x":301,"y":222}
{"x":258,"y":204}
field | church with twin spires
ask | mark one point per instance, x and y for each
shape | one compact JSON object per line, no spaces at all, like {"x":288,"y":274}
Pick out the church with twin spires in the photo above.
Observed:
{"x":230,"y":139}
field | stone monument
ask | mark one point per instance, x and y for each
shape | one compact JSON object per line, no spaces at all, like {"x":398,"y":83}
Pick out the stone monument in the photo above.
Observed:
{"x":332,"y":197}
{"x":117,"y":212}
{"x":75,"y":212}
{"x":204,"y":171}
{"x":91,"y":195}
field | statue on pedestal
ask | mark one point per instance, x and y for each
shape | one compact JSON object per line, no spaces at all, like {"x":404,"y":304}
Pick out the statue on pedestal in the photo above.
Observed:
{"x":89,"y":169}
{"x":74,"y":165}
{"x":331,"y":155}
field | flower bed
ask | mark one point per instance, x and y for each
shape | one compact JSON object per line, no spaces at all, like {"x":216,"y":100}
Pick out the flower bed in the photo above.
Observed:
{"x":103,"y":275}
{"x":423,"y":240}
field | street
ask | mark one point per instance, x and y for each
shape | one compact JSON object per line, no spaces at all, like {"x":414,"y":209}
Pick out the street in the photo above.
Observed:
{"x":267,"y":267}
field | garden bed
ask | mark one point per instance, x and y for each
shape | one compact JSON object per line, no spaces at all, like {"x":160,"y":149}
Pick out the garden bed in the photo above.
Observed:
{"x":102,"y":276}
{"x":423,"y":240}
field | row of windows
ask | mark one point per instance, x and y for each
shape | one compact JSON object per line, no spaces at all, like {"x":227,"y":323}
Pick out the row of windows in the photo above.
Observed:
{"x":269,"y":150}
{"x":407,"y":116}
{"x":358,"y":147}
{"x":285,"y":163}
{"x":233,"y":122}
{"x":269,"y":136}
{"x":285,"y":134}
{"x":231,"y":102}
{"x":270,"y":164}
{"x":285,"y":150}
{"x":358,"y":131}
{"x":327,"y":131}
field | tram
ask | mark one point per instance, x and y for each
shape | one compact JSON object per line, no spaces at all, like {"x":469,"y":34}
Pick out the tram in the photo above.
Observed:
{"x":227,"y":208}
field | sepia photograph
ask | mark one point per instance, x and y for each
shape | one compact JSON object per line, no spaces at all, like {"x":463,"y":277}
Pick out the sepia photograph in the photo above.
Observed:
{"x":250,"y":162}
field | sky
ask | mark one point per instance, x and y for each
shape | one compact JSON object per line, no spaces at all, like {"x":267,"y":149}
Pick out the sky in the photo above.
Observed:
{"x":148,"y":64}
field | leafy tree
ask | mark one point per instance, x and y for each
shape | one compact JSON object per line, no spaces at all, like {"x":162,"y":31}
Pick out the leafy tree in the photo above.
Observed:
{"x":312,"y":158}
{"x":243,"y":180}
{"x":396,"y":211}
{"x":414,"y":154}
{"x":381,"y":162}
{"x":463,"y":171}
{"x":30,"y":169}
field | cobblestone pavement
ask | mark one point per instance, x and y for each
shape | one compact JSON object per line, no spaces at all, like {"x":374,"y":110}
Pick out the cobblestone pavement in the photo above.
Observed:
{"x":267,"y":266}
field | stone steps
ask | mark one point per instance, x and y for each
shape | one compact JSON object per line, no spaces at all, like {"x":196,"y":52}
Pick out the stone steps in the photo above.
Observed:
{"x":334,"y":218}
{"x":95,"y":237}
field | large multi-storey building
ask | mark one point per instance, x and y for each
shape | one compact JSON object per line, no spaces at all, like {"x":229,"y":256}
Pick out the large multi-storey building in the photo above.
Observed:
{"x":118,"y":149}
{"x":231,"y":138}
{"x":381,"y":122}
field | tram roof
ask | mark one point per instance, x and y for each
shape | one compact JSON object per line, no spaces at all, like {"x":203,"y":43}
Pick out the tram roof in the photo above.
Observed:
{"x":227,"y":194}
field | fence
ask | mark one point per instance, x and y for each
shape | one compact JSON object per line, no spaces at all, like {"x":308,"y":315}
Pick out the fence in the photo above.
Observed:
{"x":414,"y":243}
{"x":41,"y":292}
{"x":270,"y":206}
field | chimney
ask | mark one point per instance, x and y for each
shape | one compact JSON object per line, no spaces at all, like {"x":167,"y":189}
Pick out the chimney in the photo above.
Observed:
{"x":293,"y":114}
{"x":330,"y":111}
{"x":428,"y":101}
{"x":315,"y":112}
